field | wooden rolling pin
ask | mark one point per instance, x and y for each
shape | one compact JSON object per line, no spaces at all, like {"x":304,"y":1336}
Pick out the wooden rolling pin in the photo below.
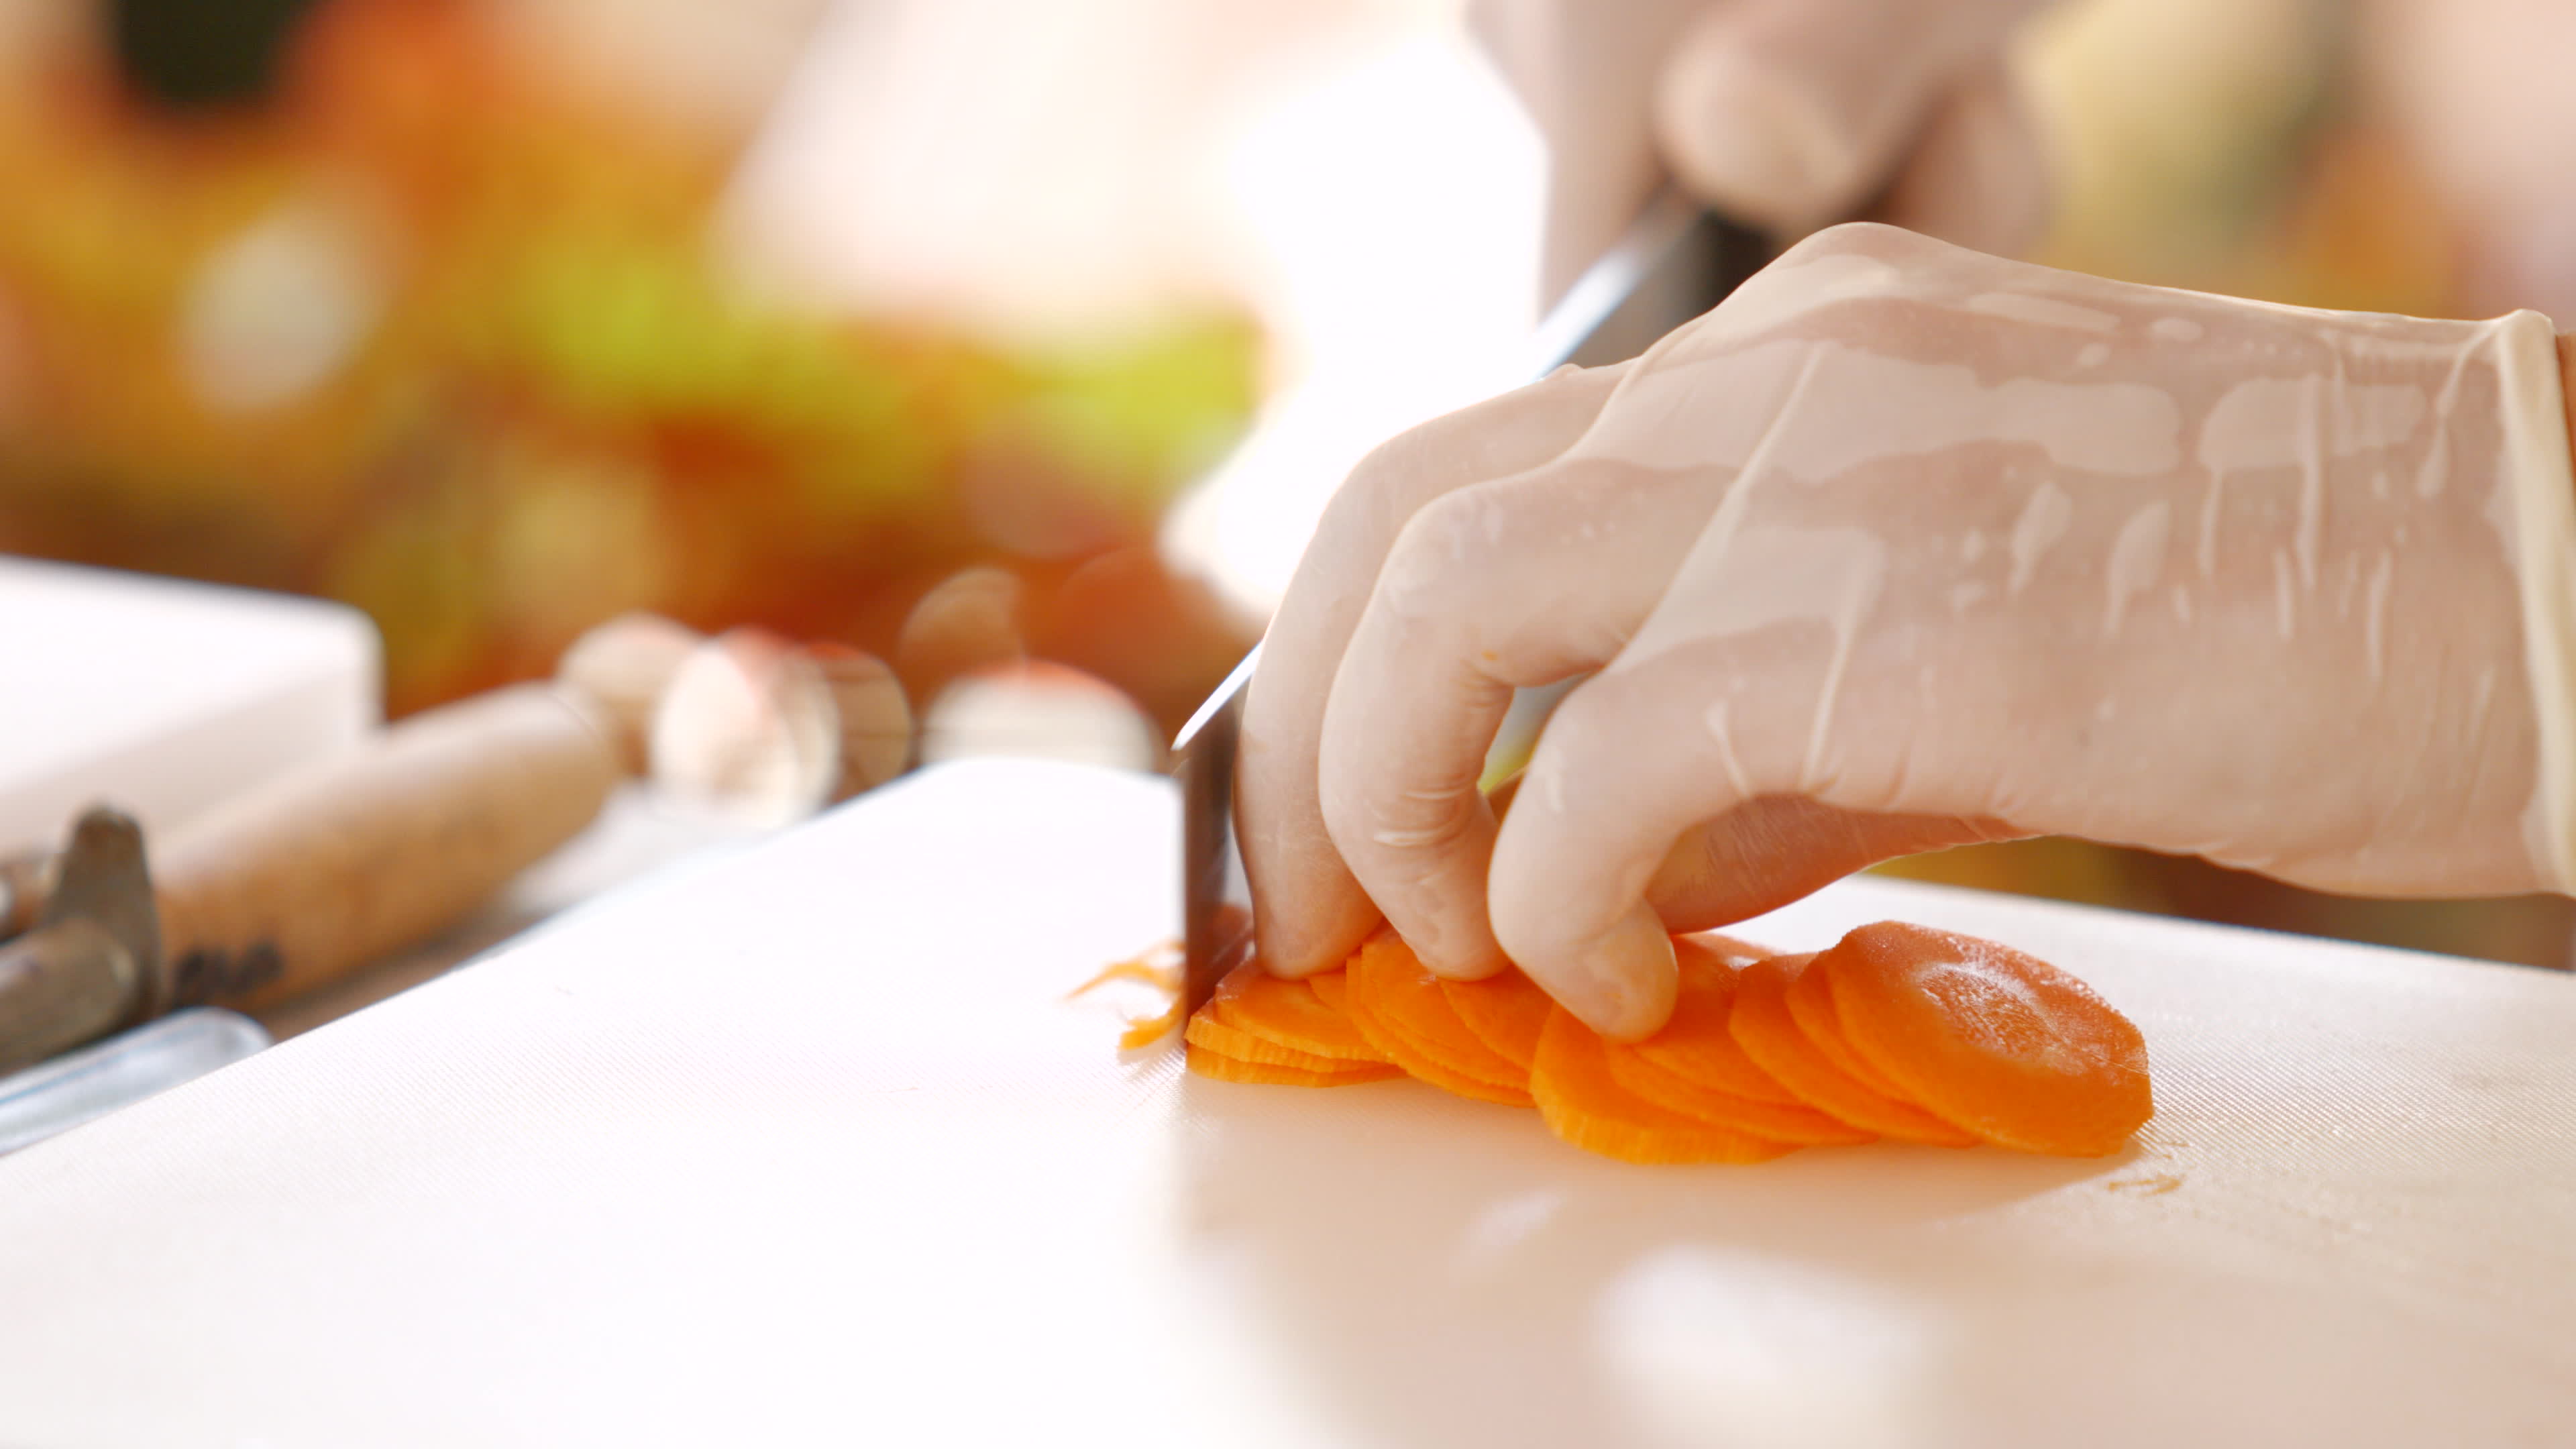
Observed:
{"x":329,"y":869}
{"x":305,"y":880}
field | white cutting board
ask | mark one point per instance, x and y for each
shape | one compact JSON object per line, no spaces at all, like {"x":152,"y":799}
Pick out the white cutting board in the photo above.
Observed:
{"x":161,"y":696}
{"x":804,"y":1147}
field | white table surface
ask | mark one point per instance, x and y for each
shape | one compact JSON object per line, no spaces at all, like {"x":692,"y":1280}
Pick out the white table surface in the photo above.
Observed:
{"x":163,"y":696}
{"x":803,"y":1146}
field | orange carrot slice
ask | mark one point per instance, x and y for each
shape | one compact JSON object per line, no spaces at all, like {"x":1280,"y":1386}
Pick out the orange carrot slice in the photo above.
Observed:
{"x":1997,"y":1041}
{"x":1695,"y":1044}
{"x":1288,"y":1014}
{"x":1506,"y":1012}
{"x":1224,"y":1068}
{"x":1211,"y":1031}
{"x":1811,"y":1005}
{"x":1762,"y":1025}
{"x":1330,"y":987}
{"x":1391,"y":987}
{"x":1803,"y":1126}
{"x":1585,"y":1105}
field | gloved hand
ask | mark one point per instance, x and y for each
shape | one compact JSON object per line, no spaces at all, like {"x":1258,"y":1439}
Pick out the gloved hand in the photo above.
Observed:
{"x":1786,"y":114}
{"x":1904,"y":546}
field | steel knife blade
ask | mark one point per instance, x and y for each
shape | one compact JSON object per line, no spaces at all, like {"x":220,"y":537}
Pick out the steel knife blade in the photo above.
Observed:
{"x":1673,"y":262}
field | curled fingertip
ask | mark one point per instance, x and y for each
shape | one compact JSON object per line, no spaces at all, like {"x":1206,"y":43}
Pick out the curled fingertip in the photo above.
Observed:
{"x":1299,"y":945}
{"x":1470,"y":965}
{"x":1622,"y":983}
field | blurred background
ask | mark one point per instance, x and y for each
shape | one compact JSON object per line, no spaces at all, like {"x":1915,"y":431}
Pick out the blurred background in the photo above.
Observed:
{"x":923,"y":326}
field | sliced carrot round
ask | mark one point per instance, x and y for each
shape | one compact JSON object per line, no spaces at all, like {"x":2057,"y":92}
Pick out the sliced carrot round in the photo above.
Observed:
{"x":1804,"y":1126}
{"x":1585,"y":1105}
{"x":1695,"y":1044}
{"x":1506,"y":1011}
{"x":1391,"y":986}
{"x":1399,"y":1046}
{"x":1763,"y":1026}
{"x":1997,"y":1041}
{"x":1330,"y":987}
{"x":1811,"y":1005}
{"x":1287,"y":1013}
{"x":1413,"y":1062}
{"x":1210,"y":1031}
{"x":1207,"y":1063}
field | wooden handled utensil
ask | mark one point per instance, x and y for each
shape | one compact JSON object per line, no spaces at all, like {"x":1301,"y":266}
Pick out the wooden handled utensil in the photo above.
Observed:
{"x":307,"y":879}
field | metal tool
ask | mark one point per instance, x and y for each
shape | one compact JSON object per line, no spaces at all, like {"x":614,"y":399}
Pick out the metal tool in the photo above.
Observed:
{"x":85,"y":1085}
{"x":1674,"y":262}
{"x":306,"y":879}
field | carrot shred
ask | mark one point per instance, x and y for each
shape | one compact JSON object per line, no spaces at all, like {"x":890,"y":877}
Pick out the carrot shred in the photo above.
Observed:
{"x":1139,"y":968}
{"x":1165,"y":977}
{"x":1762,"y":1025}
{"x":1207,"y":1063}
{"x":1584,"y":1105}
{"x":1695,"y":1044}
{"x":1802,"y":1126}
{"x":1288,"y":1014}
{"x":1994,"y":1040}
{"x":1147,"y":1030}
{"x":1505,"y":1011}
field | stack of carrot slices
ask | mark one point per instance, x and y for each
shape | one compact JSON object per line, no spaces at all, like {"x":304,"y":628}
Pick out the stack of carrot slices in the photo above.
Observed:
{"x":1899,"y":1032}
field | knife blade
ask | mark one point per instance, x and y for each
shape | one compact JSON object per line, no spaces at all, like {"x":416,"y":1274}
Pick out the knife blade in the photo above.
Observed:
{"x":1674,"y":262}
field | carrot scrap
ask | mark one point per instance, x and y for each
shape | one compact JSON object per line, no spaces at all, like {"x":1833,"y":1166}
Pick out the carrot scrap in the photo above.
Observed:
{"x":1147,"y":1030}
{"x":1695,"y":1044}
{"x":1505,"y":1011}
{"x":1288,"y":1014}
{"x":1139,"y":968}
{"x":1166,"y":978}
{"x":1999,"y":1042}
{"x":1391,"y":990}
{"x":1583,"y":1104}
{"x":1224,"y":1068}
{"x":1804,"y":1126}
{"x":1762,"y":1025}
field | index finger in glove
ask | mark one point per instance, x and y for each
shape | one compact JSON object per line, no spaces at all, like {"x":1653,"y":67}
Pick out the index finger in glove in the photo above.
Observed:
{"x":1308,"y":910}
{"x":1515,"y":583}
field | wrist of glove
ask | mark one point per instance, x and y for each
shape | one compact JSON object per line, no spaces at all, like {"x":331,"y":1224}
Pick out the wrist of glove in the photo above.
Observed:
{"x":1905,"y":546}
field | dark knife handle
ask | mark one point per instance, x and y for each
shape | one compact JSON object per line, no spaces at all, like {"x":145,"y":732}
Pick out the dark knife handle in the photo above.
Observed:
{"x":1696,"y":272}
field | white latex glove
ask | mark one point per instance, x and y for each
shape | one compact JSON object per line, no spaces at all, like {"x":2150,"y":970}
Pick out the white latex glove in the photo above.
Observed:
{"x":1786,"y":114}
{"x":1905,"y":546}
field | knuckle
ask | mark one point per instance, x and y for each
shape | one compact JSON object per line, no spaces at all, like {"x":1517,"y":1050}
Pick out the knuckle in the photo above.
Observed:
{"x":1382,"y":824}
{"x":1875,"y":241}
{"x":1448,"y":559}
